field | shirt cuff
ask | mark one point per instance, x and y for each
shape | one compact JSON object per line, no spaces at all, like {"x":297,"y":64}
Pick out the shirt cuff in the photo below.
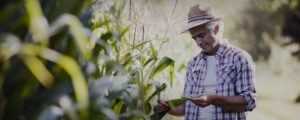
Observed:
{"x":250,"y":99}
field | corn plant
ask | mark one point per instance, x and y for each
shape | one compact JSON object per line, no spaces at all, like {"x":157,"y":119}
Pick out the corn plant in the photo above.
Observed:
{"x":55,"y":64}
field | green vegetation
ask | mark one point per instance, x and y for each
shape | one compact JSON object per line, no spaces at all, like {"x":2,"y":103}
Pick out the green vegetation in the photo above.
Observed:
{"x":277,"y":19}
{"x":157,"y":115}
{"x":74,"y":59}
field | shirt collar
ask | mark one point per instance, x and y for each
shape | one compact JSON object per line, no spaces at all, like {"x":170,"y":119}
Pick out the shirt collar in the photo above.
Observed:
{"x":221,"y":51}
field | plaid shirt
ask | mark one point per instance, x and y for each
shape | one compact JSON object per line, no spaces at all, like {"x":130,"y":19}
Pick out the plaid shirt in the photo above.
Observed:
{"x":235,"y":77}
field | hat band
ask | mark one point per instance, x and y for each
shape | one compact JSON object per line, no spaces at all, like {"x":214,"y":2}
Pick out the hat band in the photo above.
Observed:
{"x":196,"y":18}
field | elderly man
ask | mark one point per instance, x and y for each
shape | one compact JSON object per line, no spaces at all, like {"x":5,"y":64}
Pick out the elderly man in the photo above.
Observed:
{"x":220,"y":79}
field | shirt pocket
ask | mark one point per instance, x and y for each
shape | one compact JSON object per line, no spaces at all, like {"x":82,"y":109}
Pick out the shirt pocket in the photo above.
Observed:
{"x":195,"y":77}
{"x":227,"y":74}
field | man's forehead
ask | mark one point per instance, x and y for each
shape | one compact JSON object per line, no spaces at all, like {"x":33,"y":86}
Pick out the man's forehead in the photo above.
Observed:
{"x":198,"y":29}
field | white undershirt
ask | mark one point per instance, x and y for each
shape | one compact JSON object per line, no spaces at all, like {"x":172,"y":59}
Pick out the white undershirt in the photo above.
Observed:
{"x":210,"y":83}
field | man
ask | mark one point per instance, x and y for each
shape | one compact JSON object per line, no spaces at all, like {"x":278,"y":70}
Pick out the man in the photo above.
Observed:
{"x":220,"y":79}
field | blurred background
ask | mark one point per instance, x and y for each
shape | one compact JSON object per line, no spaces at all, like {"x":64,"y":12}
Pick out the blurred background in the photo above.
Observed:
{"x":108,"y":59}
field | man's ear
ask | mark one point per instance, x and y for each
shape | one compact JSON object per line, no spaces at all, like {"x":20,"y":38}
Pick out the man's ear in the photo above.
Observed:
{"x":216,"y":29}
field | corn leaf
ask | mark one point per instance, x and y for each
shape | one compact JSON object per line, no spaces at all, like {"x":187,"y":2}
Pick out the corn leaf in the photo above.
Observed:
{"x":70,"y":66}
{"x":125,"y":30}
{"x":147,"y":108}
{"x":151,"y":58}
{"x":39,"y":70}
{"x":171,"y":73}
{"x":118,"y":107}
{"x":38,"y":23}
{"x":149,"y":88}
{"x":163,"y":63}
{"x":177,"y":102}
{"x":77,"y":31}
{"x":158,"y":115}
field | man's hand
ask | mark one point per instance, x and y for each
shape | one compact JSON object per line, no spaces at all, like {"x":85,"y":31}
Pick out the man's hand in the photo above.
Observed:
{"x":203,"y":100}
{"x":163,"y":106}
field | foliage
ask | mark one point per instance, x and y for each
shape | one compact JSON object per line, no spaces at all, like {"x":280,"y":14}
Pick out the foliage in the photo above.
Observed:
{"x":275,"y":18}
{"x":73,"y":59}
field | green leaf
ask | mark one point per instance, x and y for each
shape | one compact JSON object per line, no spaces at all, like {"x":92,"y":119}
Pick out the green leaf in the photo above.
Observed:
{"x":125,"y":30}
{"x":38,"y":23}
{"x":99,"y":24}
{"x":163,"y":63}
{"x":181,"y":67}
{"x":151,"y":58}
{"x":39,"y":70}
{"x":126,"y":58}
{"x":171,"y":74}
{"x":78,"y":80}
{"x":147,"y":108}
{"x":136,"y":47}
{"x":141,"y":44}
{"x":70,"y":66}
{"x":149,"y":88}
{"x":153,"y":51}
{"x":118,"y":107}
{"x":106,"y":36}
{"x":177,"y":102}
{"x":158,"y":115}
{"x":77,"y":31}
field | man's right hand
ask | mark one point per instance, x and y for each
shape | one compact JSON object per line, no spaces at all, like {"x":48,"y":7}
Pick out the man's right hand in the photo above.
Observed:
{"x":163,"y":106}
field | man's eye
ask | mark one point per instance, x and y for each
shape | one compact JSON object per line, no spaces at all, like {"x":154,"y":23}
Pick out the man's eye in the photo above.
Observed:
{"x":200,"y":35}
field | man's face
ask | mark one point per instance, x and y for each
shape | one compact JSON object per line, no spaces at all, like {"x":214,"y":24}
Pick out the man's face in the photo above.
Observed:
{"x":205,"y":39}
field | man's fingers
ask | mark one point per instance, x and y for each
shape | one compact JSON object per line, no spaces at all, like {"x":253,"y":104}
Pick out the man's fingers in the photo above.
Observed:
{"x":162,"y":102}
{"x":195,"y":101}
{"x":199,"y":99}
{"x":201,"y":104}
{"x":163,"y":106}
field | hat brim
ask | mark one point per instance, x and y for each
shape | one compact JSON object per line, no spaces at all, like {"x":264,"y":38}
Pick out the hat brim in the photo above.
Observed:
{"x":198,"y":23}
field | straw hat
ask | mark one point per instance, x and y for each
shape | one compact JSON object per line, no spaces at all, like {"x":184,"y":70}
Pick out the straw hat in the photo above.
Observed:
{"x":198,"y":15}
